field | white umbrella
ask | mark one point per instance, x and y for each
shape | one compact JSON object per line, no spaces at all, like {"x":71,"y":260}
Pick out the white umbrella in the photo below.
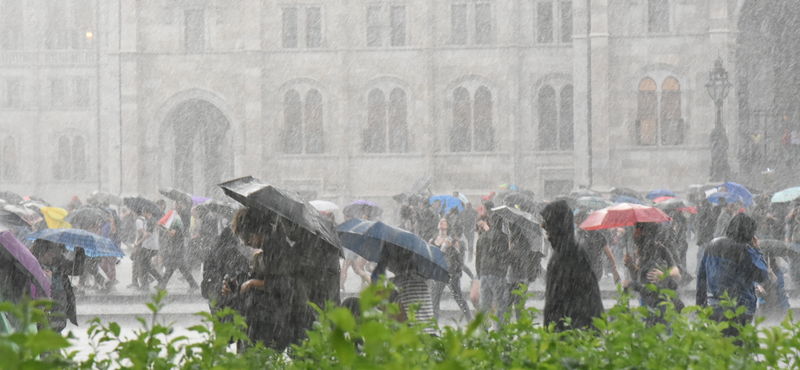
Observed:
{"x":324,"y":206}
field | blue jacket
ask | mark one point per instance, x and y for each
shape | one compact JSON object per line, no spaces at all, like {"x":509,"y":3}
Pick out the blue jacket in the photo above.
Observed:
{"x":730,"y":266}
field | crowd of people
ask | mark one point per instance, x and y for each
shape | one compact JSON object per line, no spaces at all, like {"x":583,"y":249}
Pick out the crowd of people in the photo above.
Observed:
{"x":268,"y":268}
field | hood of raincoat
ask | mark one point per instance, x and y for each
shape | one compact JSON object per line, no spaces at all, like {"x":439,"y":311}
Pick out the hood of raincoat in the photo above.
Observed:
{"x":742,"y":228}
{"x":560,"y":226}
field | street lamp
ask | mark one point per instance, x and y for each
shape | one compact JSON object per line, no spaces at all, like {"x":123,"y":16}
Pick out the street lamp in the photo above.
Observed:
{"x":718,"y":88}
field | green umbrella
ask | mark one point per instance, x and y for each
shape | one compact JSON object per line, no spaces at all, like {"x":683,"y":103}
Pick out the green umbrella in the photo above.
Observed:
{"x":786,"y":195}
{"x":593,"y":203}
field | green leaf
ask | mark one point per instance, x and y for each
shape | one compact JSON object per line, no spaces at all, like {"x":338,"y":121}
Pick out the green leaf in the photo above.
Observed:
{"x":342,"y":318}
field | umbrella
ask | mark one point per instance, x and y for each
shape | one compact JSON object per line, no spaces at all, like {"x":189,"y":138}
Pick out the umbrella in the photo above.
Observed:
{"x":30,"y":216}
{"x":592,"y":203}
{"x":360,"y":208}
{"x":103,"y":197}
{"x":730,"y":198}
{"x":463,"y":198}
{"x":585,"y":193}
{"x":14,"y":251}
{"x":777,"y":248}
{"x":220,"y":208}
{"x":87,"y":218}
{"x":786,"y":195}
{"x":93,"y":245}
{"x":139,"y":205}
{"x":253,"y":193}
{"x":199,"y":200}
{"x":676,"y":204}
{"x":369,"y":238}
{"x":38,"y":200}
{"x":508,"y":186}
{"x":177,"y":195}
{"x":11,"y":197}
{"x":448,"y":202}
{"x":662,"y":199}
{"x":12,"y":220}
{"x":627,"y":199}
{"x":627,"y":192}
{"x":521,"y":201}
{"x":55,"y":217}
{"x":621,"y":215}
{"x":740,"y":190}
{"x":324,"y":206}
{"x":661,"y":193}
{"x":522,"y":219}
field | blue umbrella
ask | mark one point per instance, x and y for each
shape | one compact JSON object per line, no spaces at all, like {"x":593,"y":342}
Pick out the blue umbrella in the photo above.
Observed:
{"x":93,"y":245}
{"x":730,"y":198}
{"x":369,"y":238}
{"x":626,"y":199}
{"x":448,"y":202}
{"x":734,"y":188}
{"x":660,"y":193}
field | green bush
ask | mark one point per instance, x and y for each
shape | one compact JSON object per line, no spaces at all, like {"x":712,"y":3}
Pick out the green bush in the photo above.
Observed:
{"x":374,"y":341}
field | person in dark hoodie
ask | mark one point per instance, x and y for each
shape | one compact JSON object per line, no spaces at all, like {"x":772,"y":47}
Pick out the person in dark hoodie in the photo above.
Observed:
{"x":225,"y":259}
{"x":732,"y":264}
{"x":572,"y":291}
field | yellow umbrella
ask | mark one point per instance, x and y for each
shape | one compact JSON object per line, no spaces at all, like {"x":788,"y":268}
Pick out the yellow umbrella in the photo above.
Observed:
{"x":55,"y":217}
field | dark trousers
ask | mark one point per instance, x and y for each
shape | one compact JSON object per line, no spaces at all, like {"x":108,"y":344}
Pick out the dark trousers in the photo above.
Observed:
{"x":143,"y":267}
{"x":170,"y":267}
{"x":437,"y":289}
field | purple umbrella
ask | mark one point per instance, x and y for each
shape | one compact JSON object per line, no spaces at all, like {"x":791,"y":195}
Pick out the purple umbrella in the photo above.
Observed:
{"x":14,"y":251}
{"x":197,"y":199}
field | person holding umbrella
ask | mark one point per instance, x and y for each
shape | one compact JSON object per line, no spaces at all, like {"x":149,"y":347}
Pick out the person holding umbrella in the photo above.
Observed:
{"x":452,"y":253}
{"x":597,"y":245}
{"x":59,"y":264}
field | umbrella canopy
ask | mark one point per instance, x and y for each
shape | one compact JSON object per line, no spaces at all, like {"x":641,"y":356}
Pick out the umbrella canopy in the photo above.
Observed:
{"x":730,"y":198}
{"x":93,"y":245}
{"x":521,"y":201}
{"x":777,"y":248}
{"x":627,"y":199}
{"x":507,"y":186}
{"x":622,"y":215}
{"x":663,"y":199}
{"x":55,"y":217}
{"x":585,"y":193}
{"x":592,"y":203}
{"x":676,"y":204}
{"x":11,"y":197}
{"x":177,"y":195}
{"x":12,"y":220}
{"x":87,"y":218}
{"x":253,"y":193}
{"x":786,"y":195}
{"x":740,"y":190}
{"x":661,"y":193}
{"x":324,"y":206}
{"x":30,"y":216}
{"x":139,"y":205}
{"x":463,"y":198}
{"x":198,"y":200}
{"x":361,"y":208}
{"x":103,"y":197}
{"x":522,"y":219}
{"x":369,"y":238}
{"x":626,"y":192}
{"x":14,"y":252}
{"x":448,"y":202}
{"x":220,"y":208}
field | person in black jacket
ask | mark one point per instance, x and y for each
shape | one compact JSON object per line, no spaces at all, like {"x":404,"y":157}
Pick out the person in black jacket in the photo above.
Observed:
{"x":492,"y":257}
{"x":572,"y":291}
{"x":223,"y":259}
{"x":706,"y":222}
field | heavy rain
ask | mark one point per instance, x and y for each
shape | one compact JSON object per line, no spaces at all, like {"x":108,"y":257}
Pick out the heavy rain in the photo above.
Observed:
{"x":469,"y":159}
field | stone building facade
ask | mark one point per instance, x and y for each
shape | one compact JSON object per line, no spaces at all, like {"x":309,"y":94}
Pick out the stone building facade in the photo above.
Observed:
{"x":349,"y":99}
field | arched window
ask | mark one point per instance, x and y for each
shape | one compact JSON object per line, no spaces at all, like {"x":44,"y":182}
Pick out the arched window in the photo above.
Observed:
{"x":398,"y":116}
{"x":62,"y":168}
{"x":78,"y":158}
{"x":460,"y":134}
{"x":293,"y":123}
{"x":484,"y":132}
{"x":374,"y":140}
{"x":548,"y":118}
{"x":313,"y":130}
{"x":647,"y":117}
{"x":566,"y":124}
{"x":671,"y":120}
{"x":9,"y":159}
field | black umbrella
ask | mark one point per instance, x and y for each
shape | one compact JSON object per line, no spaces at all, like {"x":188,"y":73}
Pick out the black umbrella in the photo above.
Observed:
{"x":223,"y":209}
{"x":585,"y":193}
{"x":103,"y":197}
{"x":12,"y":220}
{"x":177,"y":195}
{"x":252,"y":193}
{"x":522,"y":201}
{"x":777,"y":248}
{"x":524,"y":220}
{"x":628,"y":192}
{"x":87,"y":218}
{"x":11,"y":197}
{"x":139,"y":204}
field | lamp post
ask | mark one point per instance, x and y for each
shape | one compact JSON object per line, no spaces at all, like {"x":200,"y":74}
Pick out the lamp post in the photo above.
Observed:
{"x":718,"y":88}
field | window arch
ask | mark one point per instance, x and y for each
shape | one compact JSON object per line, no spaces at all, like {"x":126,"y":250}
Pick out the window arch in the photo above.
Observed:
{"x":78,"y":158}
{"x":62,"y":168}
{"x":375,"y":135}
{"x":9,"y":157}
{"x":659,"y":117}
{"x":566,"y":121}
{"x":473,"y":128}
{"x":548,"y":117}
{"x":398,"y":121}
{"x":303,"y":122}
